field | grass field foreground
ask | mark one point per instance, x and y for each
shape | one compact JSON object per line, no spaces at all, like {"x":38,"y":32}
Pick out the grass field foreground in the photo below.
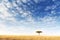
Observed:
{"x":29,"y":37}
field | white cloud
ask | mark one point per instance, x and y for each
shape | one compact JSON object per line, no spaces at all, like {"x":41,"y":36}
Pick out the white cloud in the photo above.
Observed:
{"x":53,"y":0}
{"x":24,"y":1}
{"x":54,"y":6}
{"x":36,"y":1}
{"x":4,"y":13}
{"x":53,"y":12}
{"x":49,"y":20}
{"x":47,"y":8}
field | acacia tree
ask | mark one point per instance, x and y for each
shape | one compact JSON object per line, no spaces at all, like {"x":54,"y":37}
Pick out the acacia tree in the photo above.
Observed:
{"x":39,"y":32}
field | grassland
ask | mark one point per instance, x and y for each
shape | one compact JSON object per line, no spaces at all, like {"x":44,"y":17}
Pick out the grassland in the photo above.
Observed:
{"x":29,"y":37}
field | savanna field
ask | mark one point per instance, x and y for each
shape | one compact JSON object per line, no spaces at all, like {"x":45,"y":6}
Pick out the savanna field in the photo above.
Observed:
{"x":29,"y":37}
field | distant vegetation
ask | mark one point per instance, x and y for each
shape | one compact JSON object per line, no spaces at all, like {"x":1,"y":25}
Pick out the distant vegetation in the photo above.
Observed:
{"x":39,"y":32}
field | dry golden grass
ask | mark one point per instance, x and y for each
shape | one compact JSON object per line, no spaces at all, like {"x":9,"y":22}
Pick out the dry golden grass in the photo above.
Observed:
{"x":29,"y":37}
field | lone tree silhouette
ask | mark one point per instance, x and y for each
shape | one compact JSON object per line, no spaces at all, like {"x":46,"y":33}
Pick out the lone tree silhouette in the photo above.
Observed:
{"x":39,"y":32}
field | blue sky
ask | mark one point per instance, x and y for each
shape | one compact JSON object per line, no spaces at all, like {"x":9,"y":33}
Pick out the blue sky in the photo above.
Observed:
{"x":24,"y":17}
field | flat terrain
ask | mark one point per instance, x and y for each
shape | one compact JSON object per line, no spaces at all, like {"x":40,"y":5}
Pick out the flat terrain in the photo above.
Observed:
{"x":29,"y":37}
